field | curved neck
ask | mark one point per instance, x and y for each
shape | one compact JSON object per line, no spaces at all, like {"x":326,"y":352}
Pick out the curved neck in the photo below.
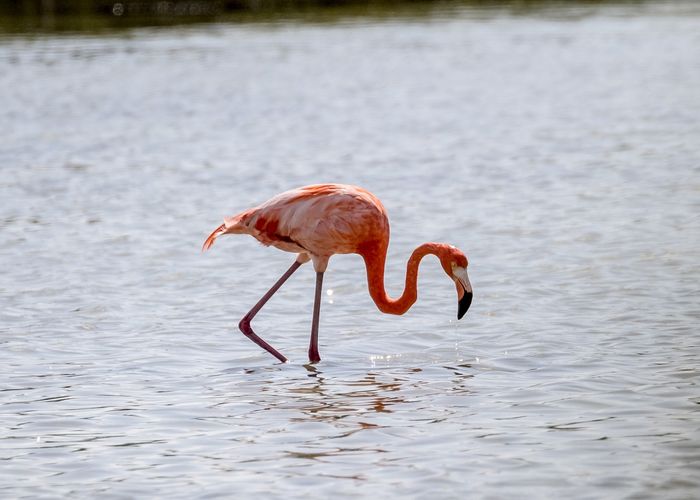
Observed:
{"x":375,"y":260}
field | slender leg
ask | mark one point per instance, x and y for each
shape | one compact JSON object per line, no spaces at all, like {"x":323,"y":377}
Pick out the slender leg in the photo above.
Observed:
{"x":313,"y":345}
{"x":244,"y":324}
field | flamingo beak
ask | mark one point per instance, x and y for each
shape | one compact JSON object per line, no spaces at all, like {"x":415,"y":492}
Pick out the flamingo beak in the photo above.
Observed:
{"x":464,"y":291}
{"x":463,"y":304}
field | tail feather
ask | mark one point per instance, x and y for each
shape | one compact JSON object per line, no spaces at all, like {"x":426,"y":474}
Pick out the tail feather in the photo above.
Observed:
{"x":235,"y":224}
{"x":215,"y":234}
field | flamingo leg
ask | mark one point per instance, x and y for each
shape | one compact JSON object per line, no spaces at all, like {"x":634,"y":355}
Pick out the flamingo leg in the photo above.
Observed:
{"x":244,"y":324}
{"x":314,"y":356}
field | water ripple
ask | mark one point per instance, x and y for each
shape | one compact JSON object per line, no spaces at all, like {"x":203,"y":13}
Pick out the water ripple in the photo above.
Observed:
{"x":568,"y":178}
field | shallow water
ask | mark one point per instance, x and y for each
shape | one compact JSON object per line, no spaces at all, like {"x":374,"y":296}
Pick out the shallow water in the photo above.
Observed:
{"x":560,"y":150}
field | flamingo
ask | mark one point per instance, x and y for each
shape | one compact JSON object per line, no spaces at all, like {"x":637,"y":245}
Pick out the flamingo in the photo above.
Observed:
{"x":321,"y":220}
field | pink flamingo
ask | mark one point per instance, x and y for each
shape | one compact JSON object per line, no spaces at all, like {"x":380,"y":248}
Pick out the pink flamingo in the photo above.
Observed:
{"x":318,"y":221}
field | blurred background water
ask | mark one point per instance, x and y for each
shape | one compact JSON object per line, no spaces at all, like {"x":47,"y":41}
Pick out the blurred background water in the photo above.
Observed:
{"x":557,"y":145}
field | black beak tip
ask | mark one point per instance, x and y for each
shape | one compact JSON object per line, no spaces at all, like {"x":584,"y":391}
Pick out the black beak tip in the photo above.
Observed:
{"x":463,"y":304}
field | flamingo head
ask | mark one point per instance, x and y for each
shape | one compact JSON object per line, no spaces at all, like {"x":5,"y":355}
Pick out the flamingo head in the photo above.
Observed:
{"x":455,"y":263}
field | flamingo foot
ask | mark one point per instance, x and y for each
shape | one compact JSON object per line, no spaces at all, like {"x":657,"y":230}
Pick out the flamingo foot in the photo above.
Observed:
{"x":244,"y":324}
{"x":245,"y":327}
{"x":314,"y":356}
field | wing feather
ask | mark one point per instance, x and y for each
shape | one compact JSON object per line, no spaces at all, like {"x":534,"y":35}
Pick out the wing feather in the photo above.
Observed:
{"x":322,"y":219}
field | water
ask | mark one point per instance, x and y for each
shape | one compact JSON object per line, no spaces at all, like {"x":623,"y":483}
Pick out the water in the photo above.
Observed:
{"x":559,"y":149}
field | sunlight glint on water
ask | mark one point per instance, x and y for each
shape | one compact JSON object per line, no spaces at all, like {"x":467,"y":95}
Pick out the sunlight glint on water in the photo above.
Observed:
{"x":560,"y":152}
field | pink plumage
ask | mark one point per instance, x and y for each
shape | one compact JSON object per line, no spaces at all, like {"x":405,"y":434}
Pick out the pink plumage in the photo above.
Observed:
{"x":320,"y":220}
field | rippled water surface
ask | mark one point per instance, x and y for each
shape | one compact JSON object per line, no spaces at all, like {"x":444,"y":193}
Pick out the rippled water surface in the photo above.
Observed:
{"x":559,"y":149}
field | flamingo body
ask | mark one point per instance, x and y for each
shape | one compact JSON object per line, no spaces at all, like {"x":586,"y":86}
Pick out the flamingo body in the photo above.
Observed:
{"x":321,"y":220}
{"x":318,"y":220}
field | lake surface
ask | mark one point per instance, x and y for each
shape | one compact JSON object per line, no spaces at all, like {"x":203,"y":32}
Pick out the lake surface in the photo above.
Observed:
{"x":559,"y":148}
